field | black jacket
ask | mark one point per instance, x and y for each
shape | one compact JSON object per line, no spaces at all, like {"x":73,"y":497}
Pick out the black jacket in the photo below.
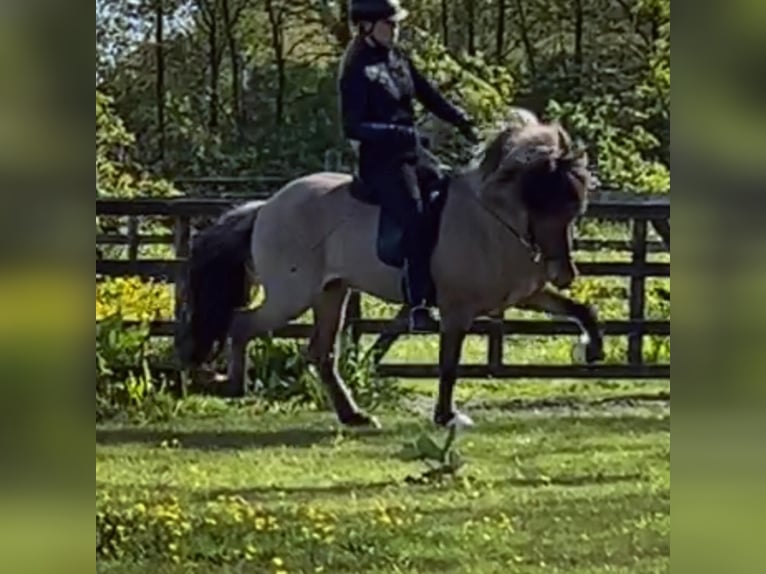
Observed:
{"x":378,"y":87}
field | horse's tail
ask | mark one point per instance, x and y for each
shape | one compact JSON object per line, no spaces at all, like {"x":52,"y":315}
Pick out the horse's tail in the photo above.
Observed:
{"x":217,"y":283}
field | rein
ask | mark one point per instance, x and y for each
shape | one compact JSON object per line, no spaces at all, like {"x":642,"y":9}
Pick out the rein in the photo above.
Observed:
{"x":529,"y":243}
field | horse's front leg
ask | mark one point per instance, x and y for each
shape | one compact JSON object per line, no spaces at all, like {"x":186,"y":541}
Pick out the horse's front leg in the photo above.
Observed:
{"x":454,"y":327}
{"x":549,"y":301}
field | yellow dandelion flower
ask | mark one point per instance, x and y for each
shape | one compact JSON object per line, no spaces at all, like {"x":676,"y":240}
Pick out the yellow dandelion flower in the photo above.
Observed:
{"x":277,"y":561}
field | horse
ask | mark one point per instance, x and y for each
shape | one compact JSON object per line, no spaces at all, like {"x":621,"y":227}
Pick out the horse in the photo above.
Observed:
{"x":504,"y":240}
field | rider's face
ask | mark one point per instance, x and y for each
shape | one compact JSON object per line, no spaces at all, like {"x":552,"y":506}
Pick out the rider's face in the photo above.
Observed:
{"x":385,"y":32}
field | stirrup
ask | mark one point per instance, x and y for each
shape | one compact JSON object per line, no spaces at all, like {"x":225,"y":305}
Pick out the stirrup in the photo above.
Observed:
{"x":420,"y":320}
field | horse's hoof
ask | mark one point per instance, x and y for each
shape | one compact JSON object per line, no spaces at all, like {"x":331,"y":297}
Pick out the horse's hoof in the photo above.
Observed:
{"x":587,"y":351}
{"x":456,"y":419}
{"x":594,"y":354}
{"x":361,"y":420}
{"x":460,"y":420}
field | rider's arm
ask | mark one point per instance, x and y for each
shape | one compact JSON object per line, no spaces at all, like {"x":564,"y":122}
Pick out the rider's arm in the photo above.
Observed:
{"x":353,"y":91}
{"x":434,"y":102}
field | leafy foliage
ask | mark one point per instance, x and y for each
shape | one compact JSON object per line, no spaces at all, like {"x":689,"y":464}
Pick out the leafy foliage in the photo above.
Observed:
{"x":117,"y":174}
{"x":617,"y":141}
{"x":283,"y":376}
{"x":250,"y":87}
{"x":125,"y":353}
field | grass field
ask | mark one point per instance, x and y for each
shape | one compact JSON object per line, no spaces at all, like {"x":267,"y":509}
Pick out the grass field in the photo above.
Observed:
{"x":566,"y":477}
{"x":560,"y":476}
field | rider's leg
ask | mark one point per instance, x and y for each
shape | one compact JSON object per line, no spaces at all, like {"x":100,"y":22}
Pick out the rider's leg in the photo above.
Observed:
{"x":397,"y":197}
{"x":417,"y":262}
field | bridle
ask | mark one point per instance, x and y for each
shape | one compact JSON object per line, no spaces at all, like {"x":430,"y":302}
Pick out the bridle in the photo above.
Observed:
{"x":527,"y":240}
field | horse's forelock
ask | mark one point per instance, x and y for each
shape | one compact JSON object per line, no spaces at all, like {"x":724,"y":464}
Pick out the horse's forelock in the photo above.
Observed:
{"x":518,"y":121}
{"x":540,"y":163}
{"x":560,"y":187}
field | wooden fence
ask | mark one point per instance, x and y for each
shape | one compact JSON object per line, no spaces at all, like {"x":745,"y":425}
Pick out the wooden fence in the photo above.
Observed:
{"x":182,"y":215}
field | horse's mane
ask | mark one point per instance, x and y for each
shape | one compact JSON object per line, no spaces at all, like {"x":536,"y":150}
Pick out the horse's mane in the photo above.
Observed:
{"x":540,"y":158}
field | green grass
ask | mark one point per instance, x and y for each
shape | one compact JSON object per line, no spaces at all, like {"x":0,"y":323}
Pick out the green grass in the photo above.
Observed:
{"x":561,"y":476}
{"x":565,"y":478}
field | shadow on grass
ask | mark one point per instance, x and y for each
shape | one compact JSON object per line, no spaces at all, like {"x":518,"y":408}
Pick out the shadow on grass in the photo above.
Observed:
{"x":595,"y":423}
{"x":223,"y":440}
{"x":577,"y":403}
{"x":309,"y":491}
{"x":572,"y":480}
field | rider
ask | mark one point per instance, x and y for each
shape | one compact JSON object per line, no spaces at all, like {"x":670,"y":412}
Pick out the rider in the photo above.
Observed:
{"x":378,"y":83}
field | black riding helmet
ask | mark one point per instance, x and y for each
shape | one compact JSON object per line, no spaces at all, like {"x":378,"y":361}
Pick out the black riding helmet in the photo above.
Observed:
{"x":374,"y":10}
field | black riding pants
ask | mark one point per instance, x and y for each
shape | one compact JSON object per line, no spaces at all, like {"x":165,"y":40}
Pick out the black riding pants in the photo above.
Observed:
{"x":394,"y":185}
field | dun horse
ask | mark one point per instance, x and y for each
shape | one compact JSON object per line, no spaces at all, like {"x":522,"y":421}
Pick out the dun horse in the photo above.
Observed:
{"x":504,"y":233}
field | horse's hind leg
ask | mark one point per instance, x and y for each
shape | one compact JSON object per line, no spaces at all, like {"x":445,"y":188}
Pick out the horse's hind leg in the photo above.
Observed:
{"x":275,"y":312}
{"x":324,"y":349}
{"x":554,"y":303}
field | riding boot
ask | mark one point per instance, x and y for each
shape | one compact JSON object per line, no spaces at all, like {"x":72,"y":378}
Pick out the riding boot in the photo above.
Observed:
{"x":416,"y":276}
{"x":399,"y":195}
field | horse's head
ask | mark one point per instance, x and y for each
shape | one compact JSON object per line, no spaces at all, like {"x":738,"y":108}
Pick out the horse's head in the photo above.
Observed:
{"x":533,"y":170}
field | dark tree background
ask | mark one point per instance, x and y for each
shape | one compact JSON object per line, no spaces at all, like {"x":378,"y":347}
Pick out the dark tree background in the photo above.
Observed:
{"x":247,"y":87}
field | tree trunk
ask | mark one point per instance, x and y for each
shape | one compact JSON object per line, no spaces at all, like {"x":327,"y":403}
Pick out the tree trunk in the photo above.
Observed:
{"x":471,"y":27}
{"x":159,"y":33}
{"x":277,"y":44}
{"x":214,"y":71}
{"x":343,"y":33}
{"x":445,"y":23}
{"x":525,"y":39}
{"x":578,"y":34}
{"x":236,"y":74}
{"x":500,"y":38}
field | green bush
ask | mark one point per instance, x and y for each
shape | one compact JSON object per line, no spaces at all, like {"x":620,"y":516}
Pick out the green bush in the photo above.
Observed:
{"x":127,"y":386}
{"x":624,"y":154}
{"x":282,"y":375}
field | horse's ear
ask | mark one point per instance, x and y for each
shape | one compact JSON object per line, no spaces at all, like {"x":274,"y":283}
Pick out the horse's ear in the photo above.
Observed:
{"x":493,"y":157}
{"x":565,"y":142}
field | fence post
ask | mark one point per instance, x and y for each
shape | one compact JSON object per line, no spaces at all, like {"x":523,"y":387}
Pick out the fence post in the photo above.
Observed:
{"x":133,"y":239}
{"x":637,"y":292}
{"x":353,"y":315}
{"x":181,"y":243}
{"x":495,"y":345}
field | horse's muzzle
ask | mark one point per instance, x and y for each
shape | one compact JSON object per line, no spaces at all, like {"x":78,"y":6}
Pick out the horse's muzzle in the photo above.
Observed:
{"x":560,"y":272}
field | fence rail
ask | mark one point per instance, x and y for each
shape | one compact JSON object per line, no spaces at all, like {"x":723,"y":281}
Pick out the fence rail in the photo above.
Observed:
{"x":638,"y":211}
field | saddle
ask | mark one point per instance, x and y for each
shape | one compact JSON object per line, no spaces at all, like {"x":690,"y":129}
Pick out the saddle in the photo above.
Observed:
{"x":389,"y":245}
